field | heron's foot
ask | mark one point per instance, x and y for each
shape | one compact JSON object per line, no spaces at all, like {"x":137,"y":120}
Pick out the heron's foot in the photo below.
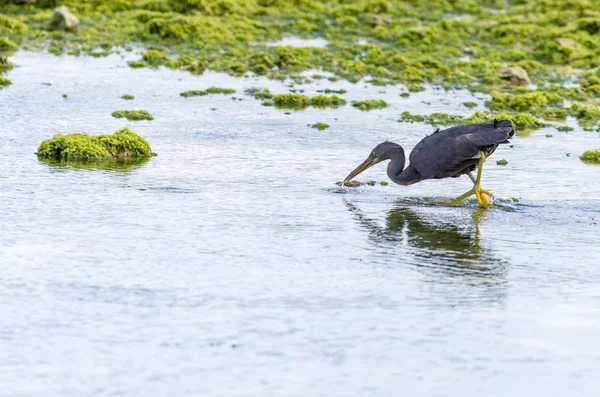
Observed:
{"x":484,"y":197}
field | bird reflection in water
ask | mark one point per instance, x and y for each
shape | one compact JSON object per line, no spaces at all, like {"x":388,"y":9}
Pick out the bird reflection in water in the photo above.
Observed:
{"x":450,"y":246}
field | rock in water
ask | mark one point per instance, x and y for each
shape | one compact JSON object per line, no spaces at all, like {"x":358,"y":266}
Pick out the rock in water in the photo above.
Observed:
{"x":62,"y":19}
{"x":515,"y":75}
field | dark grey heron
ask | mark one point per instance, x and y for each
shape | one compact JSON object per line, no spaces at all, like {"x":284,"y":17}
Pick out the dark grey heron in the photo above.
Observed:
{"x":447,"y":153}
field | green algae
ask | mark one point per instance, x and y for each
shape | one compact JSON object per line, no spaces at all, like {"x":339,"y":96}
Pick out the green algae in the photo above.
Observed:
{"x":208,"y":91}
{"x":591,"y":85}
{"x":407,"y":117}
{"x":6,"y":45}
{"x":370,"y":104}
{"x":132,"y":115}
{"x":291,"y":100}
{"x":378,"y":42}
{"x":123,"y":144}
{"x":302,"y":101}
{"x":470,"y":105}
{"x":330,"y":91}
{"x":531,"y":102}
{"x":136,"y":64}
{"x":591,"y":156}
{"x":524,"y":122}
{"x":501,"y":162}
{"x":327,"y":101}
{"x":320,"y":126}
{"x":10,"y":25}
{"x":406,"y":42}
{"x":128,"y":97}
{"x":259,"y":93}
{"x":433,"y":119}
{"x":555,"y":114}
{"x":154,"y":57}
{"x":585,"y":112}
{"x":4,"y":82}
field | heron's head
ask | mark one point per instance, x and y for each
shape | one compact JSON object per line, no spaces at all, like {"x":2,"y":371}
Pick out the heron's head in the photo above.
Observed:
{"x":381,"y":152}
{"x":506,"y":126}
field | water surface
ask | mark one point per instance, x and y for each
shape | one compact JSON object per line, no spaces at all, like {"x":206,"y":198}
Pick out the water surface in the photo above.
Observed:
{"x":231,"y":264}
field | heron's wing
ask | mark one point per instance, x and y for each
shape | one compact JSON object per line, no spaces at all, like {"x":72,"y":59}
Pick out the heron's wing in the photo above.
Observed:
{"x":440,"y":154}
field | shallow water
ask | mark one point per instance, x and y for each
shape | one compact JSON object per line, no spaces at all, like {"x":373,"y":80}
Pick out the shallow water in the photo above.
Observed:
{"x":231,"y":264}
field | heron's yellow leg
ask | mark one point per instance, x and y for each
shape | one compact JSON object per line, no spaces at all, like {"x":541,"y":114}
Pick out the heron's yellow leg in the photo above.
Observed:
{"x":480,"y":194}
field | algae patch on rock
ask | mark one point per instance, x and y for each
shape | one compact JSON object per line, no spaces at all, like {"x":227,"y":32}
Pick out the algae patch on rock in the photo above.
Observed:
{"x":128,"y":97}
{"x":123,"y":144}
{"x":132,"y":115}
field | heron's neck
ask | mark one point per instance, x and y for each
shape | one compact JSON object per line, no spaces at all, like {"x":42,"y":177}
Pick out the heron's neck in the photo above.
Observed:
{"x":396,"y":171}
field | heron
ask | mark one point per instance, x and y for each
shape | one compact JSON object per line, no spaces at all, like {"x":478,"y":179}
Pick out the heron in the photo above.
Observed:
{"x":445,"y":153}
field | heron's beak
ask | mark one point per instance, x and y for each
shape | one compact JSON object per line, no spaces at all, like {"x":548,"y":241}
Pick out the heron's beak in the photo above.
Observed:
{"x":369,"y":162}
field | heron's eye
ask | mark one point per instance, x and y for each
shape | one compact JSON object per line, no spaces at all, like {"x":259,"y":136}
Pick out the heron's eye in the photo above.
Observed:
{"x":373,"y":154}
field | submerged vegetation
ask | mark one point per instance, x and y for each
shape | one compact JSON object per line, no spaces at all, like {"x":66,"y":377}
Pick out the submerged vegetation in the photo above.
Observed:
{"x":132,"y":115}
{"x":123,"y":144}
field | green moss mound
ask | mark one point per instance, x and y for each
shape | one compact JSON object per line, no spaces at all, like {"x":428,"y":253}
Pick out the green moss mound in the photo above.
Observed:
{"x":320,"y":126}
{"x":132,"y":115}
{"x":4,"y":82}
{"x":155,"y":57}
{"x":327,"y":101}
{"x":585,"y":112}
{"x":208,"y":91}
{"x":123,"y":144}
{"x":10,"y":25}
{"x":128,"y":97}
{"x":6,"y":45}
{"x":291,"y":100}
{"x":370,"y":104}
{"x":591,"y":156}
